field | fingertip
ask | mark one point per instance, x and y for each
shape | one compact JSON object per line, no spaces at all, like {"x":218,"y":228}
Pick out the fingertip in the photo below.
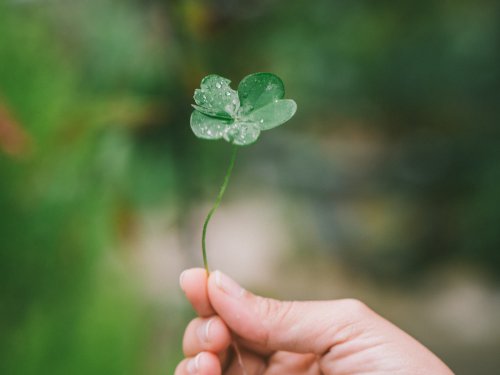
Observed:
{"x":194,"y":284}
{"x":204,"y":363}
{"x":204,"y":334}
{"x":223,"y":289}
{"x":209,"y":364}
{"x":191,"y":274}
{"x":218,"y":334}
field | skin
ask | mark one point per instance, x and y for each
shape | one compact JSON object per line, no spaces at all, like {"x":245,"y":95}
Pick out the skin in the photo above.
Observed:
{"x":290,"y":337}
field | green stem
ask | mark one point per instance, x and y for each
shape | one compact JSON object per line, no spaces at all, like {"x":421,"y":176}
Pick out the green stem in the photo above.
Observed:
{"x":216,"y":204}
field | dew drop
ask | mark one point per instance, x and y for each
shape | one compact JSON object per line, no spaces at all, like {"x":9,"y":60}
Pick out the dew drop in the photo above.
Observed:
{"x":218,"y":85}
{"x":261,"y":121}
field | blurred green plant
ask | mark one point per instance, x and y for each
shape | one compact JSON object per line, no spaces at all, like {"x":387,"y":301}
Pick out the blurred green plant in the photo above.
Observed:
{"x":67,"y":155}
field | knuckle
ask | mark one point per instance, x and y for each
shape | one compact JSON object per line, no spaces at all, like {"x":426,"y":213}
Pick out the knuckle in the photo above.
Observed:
{"x":266,"y":307}
{"x":273,"y":311}
{"x":273,"y":315}
{"x":351,"y":320}
{"x":357,"y":317}
{"x":356,"y":308}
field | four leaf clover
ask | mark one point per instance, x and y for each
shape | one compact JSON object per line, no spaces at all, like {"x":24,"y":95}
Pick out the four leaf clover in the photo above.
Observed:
{"x":240,"y":116}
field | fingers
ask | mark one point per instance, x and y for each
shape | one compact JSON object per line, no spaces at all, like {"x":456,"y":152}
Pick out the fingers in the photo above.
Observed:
{"x":203,"y":364}
{"x":301,"y":327}
{"x":206,"y":334}
{"x":194,"y":284}
{"x":206,"y":338}
{"x":211,"y":336}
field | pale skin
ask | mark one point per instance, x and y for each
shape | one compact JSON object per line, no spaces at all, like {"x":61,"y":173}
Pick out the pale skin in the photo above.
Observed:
{"x":291,"y":338}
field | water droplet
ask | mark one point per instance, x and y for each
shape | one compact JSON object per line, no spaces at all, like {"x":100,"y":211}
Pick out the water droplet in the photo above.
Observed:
{"x":261,"y":121}
{"x":218,"y":85}
{"x":228,"y":93}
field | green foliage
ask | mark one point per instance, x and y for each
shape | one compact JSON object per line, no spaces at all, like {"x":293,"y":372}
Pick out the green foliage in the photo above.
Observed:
{"x":239,"y":117}
{"x":66,"y":158}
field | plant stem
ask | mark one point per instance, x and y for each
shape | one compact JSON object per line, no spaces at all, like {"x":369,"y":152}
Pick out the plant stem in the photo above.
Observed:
{"x":204,"y":235}
{"x":216,"y":204}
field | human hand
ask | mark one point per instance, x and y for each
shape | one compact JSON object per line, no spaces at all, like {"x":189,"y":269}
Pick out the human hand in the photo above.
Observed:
{"x":291,"y":338}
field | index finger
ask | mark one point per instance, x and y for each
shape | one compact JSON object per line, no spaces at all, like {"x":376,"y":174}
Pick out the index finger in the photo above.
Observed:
{"x":194,"y":283}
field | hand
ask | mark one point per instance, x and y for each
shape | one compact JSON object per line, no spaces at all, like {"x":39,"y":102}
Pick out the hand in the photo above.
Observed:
{"x":291,"y":338}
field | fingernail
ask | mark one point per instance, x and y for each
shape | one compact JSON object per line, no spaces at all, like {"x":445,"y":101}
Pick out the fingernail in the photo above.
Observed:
{"x":181,"y":278}
{"x":193,"y":364}
{"x":227,"y":285}
{"x":203,"y":331}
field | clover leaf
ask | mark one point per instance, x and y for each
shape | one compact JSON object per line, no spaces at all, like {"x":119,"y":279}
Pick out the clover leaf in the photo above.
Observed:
{"x":216,"y":98}
{"x":239,"y":116}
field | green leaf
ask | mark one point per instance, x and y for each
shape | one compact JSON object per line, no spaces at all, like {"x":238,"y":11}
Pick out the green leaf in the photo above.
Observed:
{"x":258,"y":90}
{"x":216,"y":98}
{"x":242,"y":134}
{"x":273,"y":114}
{"x":218,"y":113}
{"x":208,"y":127}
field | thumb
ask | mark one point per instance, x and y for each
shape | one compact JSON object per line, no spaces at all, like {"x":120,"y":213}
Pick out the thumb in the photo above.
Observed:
{"x":301,"y":327}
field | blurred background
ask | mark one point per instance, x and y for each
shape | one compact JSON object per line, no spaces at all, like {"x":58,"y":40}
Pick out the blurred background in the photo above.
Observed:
{"x":385,"y":186}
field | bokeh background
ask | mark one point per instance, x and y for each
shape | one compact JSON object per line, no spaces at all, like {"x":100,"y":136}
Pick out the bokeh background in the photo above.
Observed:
{"x":385,"y":186}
